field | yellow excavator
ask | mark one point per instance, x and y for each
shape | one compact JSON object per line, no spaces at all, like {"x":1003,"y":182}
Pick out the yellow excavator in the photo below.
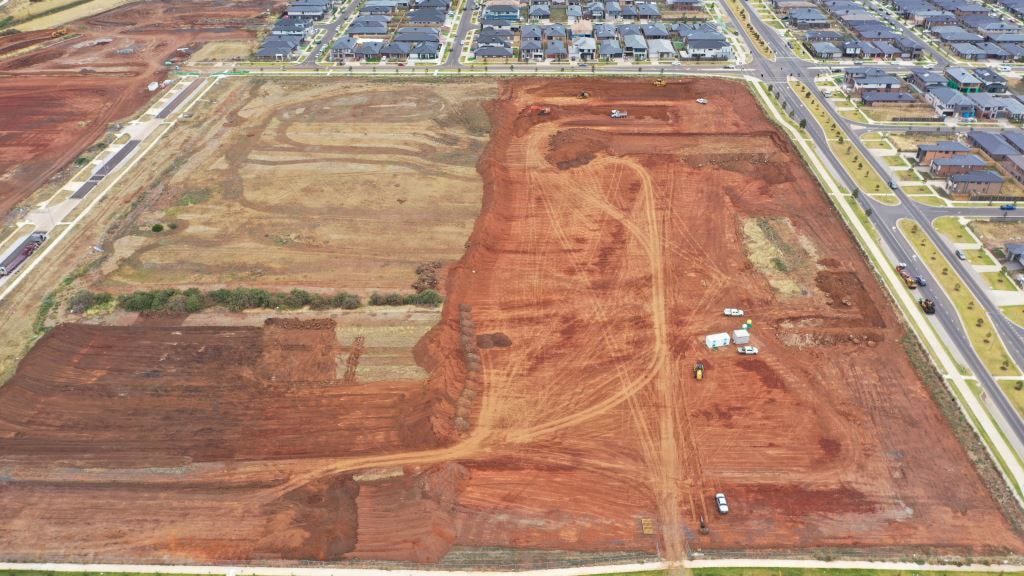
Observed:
{"x":698,"y":371}
{"x":59,"y":32}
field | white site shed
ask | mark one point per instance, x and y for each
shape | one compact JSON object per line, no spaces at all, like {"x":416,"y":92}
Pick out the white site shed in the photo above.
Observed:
{"x":740,"y":337}
{"x":717,"y":340}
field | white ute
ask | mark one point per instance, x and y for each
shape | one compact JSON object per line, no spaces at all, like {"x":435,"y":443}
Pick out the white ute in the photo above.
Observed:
{"x":721,"y":503}
{"x":702,"y":100}
{"x":619,"y":114}
{"x":733,"y":312}
{"x":751,"y":350}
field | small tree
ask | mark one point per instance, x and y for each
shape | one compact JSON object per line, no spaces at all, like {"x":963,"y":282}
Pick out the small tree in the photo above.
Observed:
{"x":855,"y":193}
{"x":868,"y":212}
{"x":157,"y":228}
{"x":803,"y":123}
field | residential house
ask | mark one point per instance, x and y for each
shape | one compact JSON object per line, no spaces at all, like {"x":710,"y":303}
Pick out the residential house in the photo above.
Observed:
{"x":950,"y":34}
{"x":926,"y":153}
{"x":630,"y":13}
{"x":824,"y":50}
{"x":987,"y":105}
{"x":368,"y":50}
{"x":967,"y":51}
{"x":417,"y":34}
{"x":343,"y":48}
{"x":1014,"y":137}
{"x":425,"y":51}
{"x":990,"y":81}
{"x":708,"y":48}
{"x":653,"y":31}
{"x":426,"y":16}
{"x":962,"y":80}
{"x":949,"y":102}
{"x":612,"y":10}
{"x":531,"y":32}
{"x":539,"y":12}
{"x":911,"y":47}
{"x":993,"y":51}
{"x":585,"y":48}
{"x":493,"y":53}
{"x":956,"y":164}
{"x":648,"y":12}
{"x":556,"y":50}
{"x":977,"y":185}
{"x":661,"y":49}
{"x":360,"y":27}
{"x":871,"y":98}
{"x":396,"y":50}
{"x":635,"y":46}
{"x":299,"y":27}
{"x":994,"y":145}
{"x":808,"y":18}
{"x":610,"y":49}
{"x":500,"y":12}
{"x":277,"y":48}
{"x":595,"y":10}
{"x":924,"y":79}
{"x":554,"y":32}
{"x":531,"y":50}
{"x":686,"y":5}
{"x":1015,"y":166}
{"x":823,"y":36}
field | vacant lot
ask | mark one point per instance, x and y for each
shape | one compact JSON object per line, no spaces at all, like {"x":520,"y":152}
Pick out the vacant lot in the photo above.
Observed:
{"x":556,"y":407}
{"x":311,"y":184}
{"x":996,"y":235}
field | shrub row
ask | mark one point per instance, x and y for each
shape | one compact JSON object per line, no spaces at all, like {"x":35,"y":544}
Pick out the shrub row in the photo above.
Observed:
{"x":239,"y":299}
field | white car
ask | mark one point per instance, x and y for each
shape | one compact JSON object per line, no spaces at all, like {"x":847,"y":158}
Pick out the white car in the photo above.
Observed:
{"x":721,"y":503}
{"x":1005,"y":68}
{"x":733,"y":312}
{"x":751,"y":350}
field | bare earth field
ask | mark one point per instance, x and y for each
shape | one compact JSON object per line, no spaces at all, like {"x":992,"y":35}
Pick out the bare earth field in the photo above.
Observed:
{"x":557,"y":408}
{"x":309,"y":183}
{"x":60,"y":98}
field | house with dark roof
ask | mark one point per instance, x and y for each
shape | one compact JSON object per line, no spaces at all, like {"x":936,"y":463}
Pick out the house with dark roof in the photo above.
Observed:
{"x":708,"y":49}
{"x":872,"y":97}
{"x":977,"y":185}
{"x":994,"y":145}
{"x":539,"y":12}
{"x":610,"y":49}
{"x":967,"y":51}
{"x":949,"y":102}
{"x":493,"y":53}
{"x":368,"y":50}
{"x":926,"y":153}
{"x":1015,"y":138}
{"x":554,"y":32}
{"x":1015,"y":166}
{"x":277,"y":48}
{"x":531,"y":50}
{"x":556,"y":50}
{"x":924,"y":79}
{"x":426,"y":16}
{"x":962,"y":80}
{"x":425,"y":51}
{"x":990,"y":81}
{"x":584,"y":48}
{"x":652,"y":31}
{"x":417,"y":34}
{"x":343,"y":47}
{"x":956,"y":164}
{"x":500,"y":12}
{"x":648,"y":12}
{"x":808,"y":18}
{"x":635,"y":46}
{"x":824,"y":50}
{"x":595,"y":10}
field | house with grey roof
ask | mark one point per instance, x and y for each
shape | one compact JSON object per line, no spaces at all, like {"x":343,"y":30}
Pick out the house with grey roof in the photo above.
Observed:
{"x":976,"y":185}
{"x":923,"y":79}
{"x":605,"y":31}
{"x":531,"y":50}
{"x":584,"y":48}
{"x":955,"y":164}
{"x":368,"y":50}
{"x":612,"y":10}
{"x":648,"y":12}
{"x":556,"y":50}
{"x":661,"y":48}
{"x":425,"y":51}
{"x":651,"y":31}
{"x":634,"y":46}
{"x":872,"y":97}
{"x":573,"y":13}
{"x":807,"y":18}
{"x":926,"y":153}
{"x":991,"y":143}
{"x":610,"y":49}
{"x":539,"y":12}
{"x":825,"y":50}
{"x":595,"y":10}
{"x":961,"y":79}
{"x":990,"y":81}
{"x":343,"y":47}
{"x":967,"y":51}
{"x":493,"y":53}
{"x":949,"y":102}
{"x":708,"y":49}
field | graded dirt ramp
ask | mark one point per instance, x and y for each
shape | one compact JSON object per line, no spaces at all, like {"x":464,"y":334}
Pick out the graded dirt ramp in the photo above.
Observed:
{"x":560,"y":412}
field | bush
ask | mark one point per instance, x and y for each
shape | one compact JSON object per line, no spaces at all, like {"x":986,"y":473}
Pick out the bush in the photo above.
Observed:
{"x":173,"y":225}
{"x":346,"y":301}
{"x":157,"y":228}
{"x":425,"y":298}
{"x":84,"y":300}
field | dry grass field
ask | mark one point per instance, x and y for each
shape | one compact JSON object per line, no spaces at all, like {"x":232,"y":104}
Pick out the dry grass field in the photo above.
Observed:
{"x":283,"y":184}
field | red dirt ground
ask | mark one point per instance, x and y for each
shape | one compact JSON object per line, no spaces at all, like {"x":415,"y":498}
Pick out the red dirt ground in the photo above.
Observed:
{"x":172,"y":444}
{"x":59,"y":99}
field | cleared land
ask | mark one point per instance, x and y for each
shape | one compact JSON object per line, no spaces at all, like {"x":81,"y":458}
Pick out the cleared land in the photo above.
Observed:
{"x":557,"y":410}
{"x":995,"y":235}
{"x":307,"y":184}
{"x":60,"y":98}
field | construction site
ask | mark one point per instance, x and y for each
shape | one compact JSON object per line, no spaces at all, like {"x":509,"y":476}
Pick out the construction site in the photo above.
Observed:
{"x":64,"y":87}
{"x":567,"y":403}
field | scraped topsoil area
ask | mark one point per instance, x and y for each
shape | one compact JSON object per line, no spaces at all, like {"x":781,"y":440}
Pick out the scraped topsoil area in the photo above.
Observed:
{"x":560,"y":411}
{"x":61,"y":95}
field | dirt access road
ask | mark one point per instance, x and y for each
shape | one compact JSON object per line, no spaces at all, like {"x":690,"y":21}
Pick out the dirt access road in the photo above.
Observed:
{"x":605,"y":251}
{"x":61,"y":97}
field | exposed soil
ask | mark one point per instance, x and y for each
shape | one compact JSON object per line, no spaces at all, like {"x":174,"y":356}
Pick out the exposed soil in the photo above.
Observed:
{"x":59,"y":98}
{"x":176,"y":442}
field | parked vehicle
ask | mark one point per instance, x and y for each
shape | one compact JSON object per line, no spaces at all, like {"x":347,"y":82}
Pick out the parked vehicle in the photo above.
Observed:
{"x":620,"y":114}
{"x":22,"y":253}
{"x":748,"y":350}
{"x":960,"y":255}
{"x":721,"y":503}
{"x":1004,"y":68}
{"x":733,"y":312}
{"x":1008,"y":207}
{"x":920,"y":281}
{"x":927,"y":305}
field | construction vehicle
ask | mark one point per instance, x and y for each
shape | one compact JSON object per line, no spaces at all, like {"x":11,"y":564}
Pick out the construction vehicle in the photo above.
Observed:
{"x":583,"y":95}
{"x":22,"y":253}
{"x":702,"y":101}
{"x":647,"y":526}
{"x":698,"y":370}
{"x":59,"y":32}
{"x":620,"y":114}
{"x":660,"y":83}
{"x":909,"y":280}
{"x":927,"y":304}
{"x":540,"y":110}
